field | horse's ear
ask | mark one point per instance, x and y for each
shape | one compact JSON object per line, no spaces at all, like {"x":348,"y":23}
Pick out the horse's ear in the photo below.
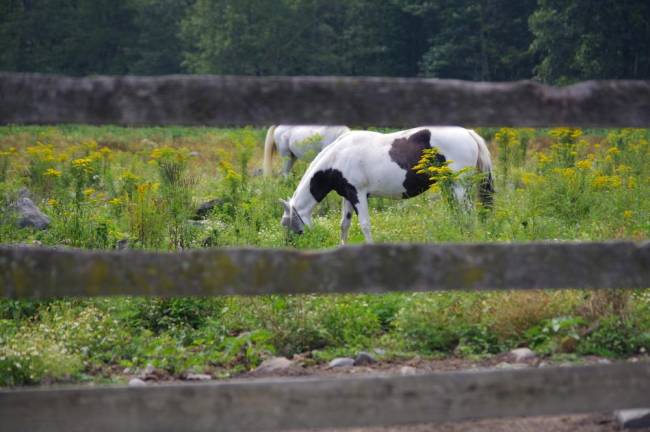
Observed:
{"x":284,"y":204}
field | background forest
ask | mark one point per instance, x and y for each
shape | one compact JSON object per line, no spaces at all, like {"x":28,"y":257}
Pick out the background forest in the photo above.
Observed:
{"x":555,"y":41}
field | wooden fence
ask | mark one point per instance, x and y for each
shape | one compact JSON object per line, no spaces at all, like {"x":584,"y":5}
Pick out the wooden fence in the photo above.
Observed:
{"x":31,"y":272}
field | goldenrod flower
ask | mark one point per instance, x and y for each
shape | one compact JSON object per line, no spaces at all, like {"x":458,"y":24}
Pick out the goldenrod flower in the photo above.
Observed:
{"x":51,"y":172}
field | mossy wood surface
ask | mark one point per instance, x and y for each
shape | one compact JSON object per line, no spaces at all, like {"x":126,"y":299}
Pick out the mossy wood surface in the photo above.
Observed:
{"x":394,"y":102}
{"x":287,"y":404}
{"x":29,"y":272}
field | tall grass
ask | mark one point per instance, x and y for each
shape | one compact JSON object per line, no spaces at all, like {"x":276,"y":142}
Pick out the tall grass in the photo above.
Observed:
{"x":104,"y":187}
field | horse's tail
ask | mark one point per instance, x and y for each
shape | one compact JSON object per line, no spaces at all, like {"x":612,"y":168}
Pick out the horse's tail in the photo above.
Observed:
{"x":484,"y":165}
{"x":269,"y":148}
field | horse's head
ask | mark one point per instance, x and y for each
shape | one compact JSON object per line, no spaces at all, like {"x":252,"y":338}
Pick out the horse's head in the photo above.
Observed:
{"x":291,"y":219}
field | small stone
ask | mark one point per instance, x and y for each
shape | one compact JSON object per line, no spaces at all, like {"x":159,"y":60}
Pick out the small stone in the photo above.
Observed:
{"x":379,"y":351}
{"x":604,"y":361}
{"x":29,"y":216}
{"x":504,"y":365}
{"x":194,"y":154}
{"x":274,"y":364}
{"x":341,"y":362}
{"x":407,"y":370}
{"x":149,"y":369}
{"x":522,"y":354}
{"x":136,"y":382}
{"x":198,"y":377}
{"x":633,"y":419}
{"x":122,"y":244}
{"x":127,"y":371}
{"x":363,"y":358}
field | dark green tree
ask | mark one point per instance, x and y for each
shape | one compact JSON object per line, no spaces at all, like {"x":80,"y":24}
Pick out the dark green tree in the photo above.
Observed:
{"x":66,"y":36}
{"x":476,"y":39}
{"x":591,"y":39}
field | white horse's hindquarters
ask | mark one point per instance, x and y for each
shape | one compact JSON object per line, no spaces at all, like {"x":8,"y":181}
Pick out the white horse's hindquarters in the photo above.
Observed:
{"x":295,"y":140}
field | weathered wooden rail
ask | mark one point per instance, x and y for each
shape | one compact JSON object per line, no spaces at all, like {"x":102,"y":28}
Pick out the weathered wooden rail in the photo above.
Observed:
{"x":314,"y":403}
{"x":28,"y":272}
{"x":231,"y":100}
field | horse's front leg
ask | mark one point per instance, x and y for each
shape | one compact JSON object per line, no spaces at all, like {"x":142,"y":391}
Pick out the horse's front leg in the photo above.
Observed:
{"x":364,"y":216}
{"x":462,"y":198}
{"x":346,"y":220}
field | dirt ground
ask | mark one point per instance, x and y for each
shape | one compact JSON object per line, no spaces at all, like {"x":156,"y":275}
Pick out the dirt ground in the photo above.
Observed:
{"x":597,"y":422}
{"x":303,"y":366}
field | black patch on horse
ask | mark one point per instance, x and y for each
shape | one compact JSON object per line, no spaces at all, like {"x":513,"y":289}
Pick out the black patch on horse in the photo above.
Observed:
{"x":406,"y":152}
{"x":325,"y":181}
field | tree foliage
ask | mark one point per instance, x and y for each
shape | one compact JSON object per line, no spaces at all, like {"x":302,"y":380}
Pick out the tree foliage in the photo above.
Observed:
{"x":556,"y":41}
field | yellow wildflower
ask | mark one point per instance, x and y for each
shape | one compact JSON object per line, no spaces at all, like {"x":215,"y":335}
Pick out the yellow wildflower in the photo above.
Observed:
{"x":627,"y":214}
{"x":584,"y":164}
{"x":10,"y":151}
{"x":115,"y":202}
{"x":623,"y":169}
{"x":82,"y":164}
{"x":531,"y":179}
{"x":51,"y":172}
{"x":88,"y":192}
{"x":544,"y":159}
{"x":613,"y":151}
{"x":52,"y":202}
{"x":606,"y":182}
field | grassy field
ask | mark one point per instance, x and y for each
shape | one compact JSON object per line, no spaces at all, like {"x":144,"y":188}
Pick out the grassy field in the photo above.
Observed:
{"x":107,"y":185}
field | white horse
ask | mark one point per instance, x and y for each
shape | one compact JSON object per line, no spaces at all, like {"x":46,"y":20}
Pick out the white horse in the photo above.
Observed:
{"x":298,"y":142}
{"x":363,"y":163}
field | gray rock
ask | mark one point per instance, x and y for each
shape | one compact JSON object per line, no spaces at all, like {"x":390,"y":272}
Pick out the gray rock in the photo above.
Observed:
{"x":633,"y":419}
{"x":204,"y":209}
{"x":136,"y":382}
{"x":198,"y":377}
{"x":29,"y":216}
{"x":522,"y":354}
{"x":341,"y":362}
{"x":363,"y":358}
{"x":122,"y":244}
{"x":274,"y":364}
{"x":149,"y":369}
{"x":407,"y":370}
{"x":379,"y":351}
{"x":194,"y":154}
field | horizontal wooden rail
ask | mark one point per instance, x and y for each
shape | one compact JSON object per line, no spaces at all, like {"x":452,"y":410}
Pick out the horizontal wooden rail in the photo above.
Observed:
{"x":284,"y":404}
{"x":399,"y":102}
{"x":29,"y":272}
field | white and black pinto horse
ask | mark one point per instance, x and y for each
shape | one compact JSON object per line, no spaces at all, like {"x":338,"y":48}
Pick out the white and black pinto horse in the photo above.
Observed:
{"x":363,"y":163}
{"x":298,"y":142}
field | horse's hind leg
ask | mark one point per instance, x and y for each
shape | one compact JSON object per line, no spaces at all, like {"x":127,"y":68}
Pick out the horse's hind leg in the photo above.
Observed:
{"x":364,"y":216}
{"x":288,"y":164}
{"x":346,"y":220}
